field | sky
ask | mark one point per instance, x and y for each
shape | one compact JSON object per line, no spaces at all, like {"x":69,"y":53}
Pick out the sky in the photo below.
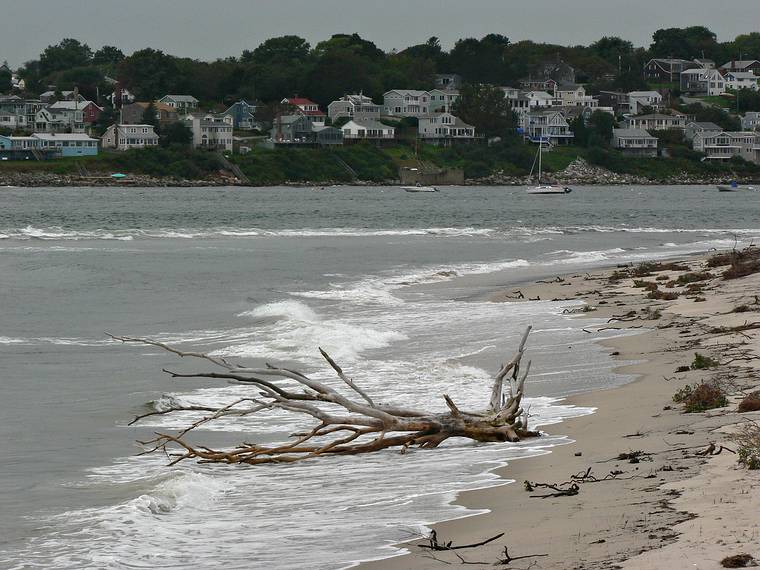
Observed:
{"x":206,"y":29}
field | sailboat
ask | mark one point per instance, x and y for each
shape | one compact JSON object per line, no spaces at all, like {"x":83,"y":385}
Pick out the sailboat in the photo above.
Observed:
{"x":544,"y":188}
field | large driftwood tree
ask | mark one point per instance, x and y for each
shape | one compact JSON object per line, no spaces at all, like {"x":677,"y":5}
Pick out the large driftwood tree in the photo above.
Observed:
{"x":344,"y":426}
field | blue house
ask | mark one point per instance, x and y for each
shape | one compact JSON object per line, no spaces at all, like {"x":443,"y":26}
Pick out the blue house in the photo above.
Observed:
{"x":68,"y":144}
{"x":242,"y":114}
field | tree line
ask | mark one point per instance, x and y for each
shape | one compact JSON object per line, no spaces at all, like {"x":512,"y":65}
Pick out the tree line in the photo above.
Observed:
{"x":289,"y":65}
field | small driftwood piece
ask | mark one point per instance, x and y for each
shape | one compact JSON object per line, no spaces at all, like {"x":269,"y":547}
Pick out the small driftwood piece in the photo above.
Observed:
{"x":344,"y":424}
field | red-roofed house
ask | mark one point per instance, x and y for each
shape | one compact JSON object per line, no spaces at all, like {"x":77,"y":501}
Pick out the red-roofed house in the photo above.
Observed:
{"x":306,"y":107}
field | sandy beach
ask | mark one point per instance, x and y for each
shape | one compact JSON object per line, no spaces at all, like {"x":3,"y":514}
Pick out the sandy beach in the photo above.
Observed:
{"x":672,"y":501}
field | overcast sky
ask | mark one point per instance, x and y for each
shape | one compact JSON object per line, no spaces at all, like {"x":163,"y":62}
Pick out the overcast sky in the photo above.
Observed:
{"x":207,"y":29}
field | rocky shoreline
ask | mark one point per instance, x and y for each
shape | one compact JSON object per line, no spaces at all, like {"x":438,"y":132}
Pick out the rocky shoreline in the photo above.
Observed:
{"x":579,"y":172}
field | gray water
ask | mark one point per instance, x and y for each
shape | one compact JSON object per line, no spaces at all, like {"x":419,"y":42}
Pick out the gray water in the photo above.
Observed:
{"x":392,"y":284}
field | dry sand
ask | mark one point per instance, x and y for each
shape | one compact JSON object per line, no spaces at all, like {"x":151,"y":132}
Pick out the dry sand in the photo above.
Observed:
{"x":674,"y":508}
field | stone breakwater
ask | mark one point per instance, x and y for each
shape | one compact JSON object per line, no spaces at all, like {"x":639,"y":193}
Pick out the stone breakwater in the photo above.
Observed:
{"x":582,"y":173}
{"x":47,"y":179}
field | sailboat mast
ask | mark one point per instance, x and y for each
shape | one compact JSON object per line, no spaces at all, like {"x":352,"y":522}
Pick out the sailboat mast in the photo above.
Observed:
{"x":540,"y":156}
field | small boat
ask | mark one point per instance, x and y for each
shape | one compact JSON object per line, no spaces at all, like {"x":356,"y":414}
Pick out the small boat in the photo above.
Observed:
{"x":419,"y":188}
{"x":545,"y":188}
{"x":735,"y":187}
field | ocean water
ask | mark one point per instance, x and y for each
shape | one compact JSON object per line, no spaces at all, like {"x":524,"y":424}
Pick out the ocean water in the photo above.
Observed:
{"x":393,"y":285}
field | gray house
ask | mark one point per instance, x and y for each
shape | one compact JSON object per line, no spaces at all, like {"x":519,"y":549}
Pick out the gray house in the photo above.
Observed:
{"x":298,"y":129}
{"x":695,"y":127}
{"x":242,"y":113}
{"x":183,"y":103}
{"x":634,"y":142}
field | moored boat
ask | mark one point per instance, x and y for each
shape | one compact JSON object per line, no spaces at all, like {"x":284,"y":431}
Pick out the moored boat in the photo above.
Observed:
{"x":419,"y":188}
{"x":543,"y":187}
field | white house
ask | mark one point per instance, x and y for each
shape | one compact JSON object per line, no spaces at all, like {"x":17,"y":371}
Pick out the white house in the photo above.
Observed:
{"x":211,"y":131}
{"x":701,"y":81}
{"x":443,"y":101}
{"x":572,"y":94}
{"x":539,"y":99}
{"x":637,"y":100}
{"x":636,"y":142}
{"x":751,"y":121}
{"x":548,"y":125}
{"x":307,"y":108}
{"x":51,"y":120}
{"x":656,"y":122}
{"x":126,"y":137}
{"x":406,"y":103}
{"x":443,"y":128}
{"x":725,"y":145}
{"x":736,"y":80}
{"x":367,"y":129}
{"x":695,"y":127}
{"x":354,"y":106}
{"x":183,"y":103}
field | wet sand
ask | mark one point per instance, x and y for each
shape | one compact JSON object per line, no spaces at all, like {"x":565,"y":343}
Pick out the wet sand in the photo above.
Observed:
{"x":672,"y":507}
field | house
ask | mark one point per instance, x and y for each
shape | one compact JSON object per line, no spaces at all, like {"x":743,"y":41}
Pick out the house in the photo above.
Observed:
{"x":121,"y":96}
{"x":751,"y":121}
{"x":24,"y":148}
{"x":569,"y":94}
{"x":444,"y":128}
{"x":367,"y":130}
{"x":547,"y":125}
{"x":134,"y":113}
{"x":736,"y":80}
{"x":50,"y":120}
{"x":545,"y":76}
{"x":539,"y":99}
{"x":307,"y":108}
{"x":726,"y":145}
{"x":666,"y":70}
{"x":126,"y":137}
{"x":517,"y":100}
{"x":50,"y":96}
{"x":656,"y":122}
{"x":211,"y":131}
{"x":618,"y":101}
{"x":406,"y":103}
{"x":443,"y":100}
{"x":448,"y":81}
{"x":354,"y":106}
{"x":703,"y":82}
{"x":634,"y":142}
{"x":751,"y":65}
{"x":637,"y":100}
{"x":90,"y":111}
{"x":704,"y":63}
{"x":68,"y":144}
{"x":243,"y":115}
{"x":182,"y":103}
{"x":291,"y":129}
{"x":324,"y":135}
{"x":12,"y":121}
{"x":693,"y":128}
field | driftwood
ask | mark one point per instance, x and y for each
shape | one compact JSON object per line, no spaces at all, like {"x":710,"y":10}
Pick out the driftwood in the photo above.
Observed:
{"x":344,"y":425}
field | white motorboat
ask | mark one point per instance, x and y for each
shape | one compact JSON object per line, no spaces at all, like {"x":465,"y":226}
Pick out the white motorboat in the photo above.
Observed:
{"x":419,"y":188}
{"x":544,"y":188}
{"x":734,"y":187}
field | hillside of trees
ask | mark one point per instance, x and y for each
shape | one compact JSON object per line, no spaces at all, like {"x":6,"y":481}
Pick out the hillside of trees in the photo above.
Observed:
{"x":289,"y":65}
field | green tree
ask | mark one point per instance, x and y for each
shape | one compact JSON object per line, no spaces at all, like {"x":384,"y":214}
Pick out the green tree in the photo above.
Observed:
{"x":486,"y":108}
{"x":580,"y":130}
{"x":612,"y":49}
{"x":108,"y":56}
{"x":176,"y":134}
{"x":685,"y":43}
{"x":600,"y":126}
{"x":149,"y":73}
{"x":6,"y":83}
{"x":65,"y":55}
{"x":481,"y":61}
{"x":149,"y":117}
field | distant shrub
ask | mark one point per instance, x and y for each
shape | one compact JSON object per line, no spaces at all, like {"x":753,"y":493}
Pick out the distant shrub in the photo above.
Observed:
{"x":701,"y":397}
{"x":702,"y":362}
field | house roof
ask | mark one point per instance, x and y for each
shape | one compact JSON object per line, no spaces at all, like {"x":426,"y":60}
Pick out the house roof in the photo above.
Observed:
{"x":298,"y":101}
{"x":565,"y":86}
{"x":739,"y":63}
{"x":181,"y":98}
{"x":369,"y":124}
{"x":705,"y":126}
{"x":631,"y":133}
{"x":72,"y":105}
{"x":63,"y":137}
{"x":158,"y":105}
{"x":410,"y":92}
{"x":644,"y":94}
{"x":742,"y":75}
{"x":657,"y":116}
